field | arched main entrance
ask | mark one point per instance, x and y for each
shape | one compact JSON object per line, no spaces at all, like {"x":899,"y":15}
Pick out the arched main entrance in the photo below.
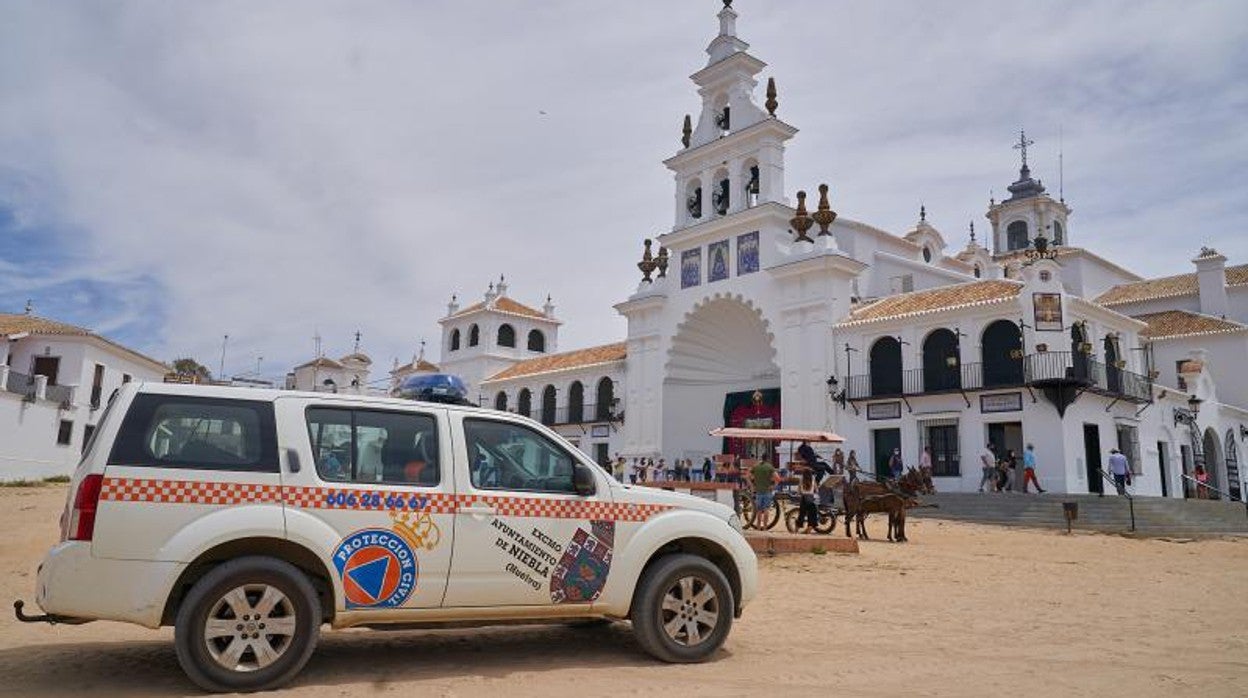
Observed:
{"x":1212,"y":447}
{"x":721,"y":370}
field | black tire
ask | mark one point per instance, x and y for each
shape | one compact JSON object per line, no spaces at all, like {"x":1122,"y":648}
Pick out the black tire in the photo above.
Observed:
{"x":827,"y":521}
{"x":772,"y":516}
{"x":650,"y":618}
{"x":211,"y":595}
{"x":790,"y":520}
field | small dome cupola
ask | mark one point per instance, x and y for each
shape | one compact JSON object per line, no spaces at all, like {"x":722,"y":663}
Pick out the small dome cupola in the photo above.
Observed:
{"x":931,"y":243}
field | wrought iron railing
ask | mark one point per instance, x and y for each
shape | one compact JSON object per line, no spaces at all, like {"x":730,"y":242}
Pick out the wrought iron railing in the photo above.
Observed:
{"x":1037,"y":368}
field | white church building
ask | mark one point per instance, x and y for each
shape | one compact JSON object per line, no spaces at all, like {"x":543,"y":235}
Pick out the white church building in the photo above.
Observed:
{"x":755,"y":312}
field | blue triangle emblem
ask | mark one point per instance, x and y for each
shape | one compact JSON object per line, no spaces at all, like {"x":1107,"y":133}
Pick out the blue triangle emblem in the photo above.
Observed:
{"x":371,"y":576}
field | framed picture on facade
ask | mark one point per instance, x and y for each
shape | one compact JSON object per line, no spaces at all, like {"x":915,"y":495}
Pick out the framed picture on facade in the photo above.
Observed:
{"x":1048,"y":311}
{"x":747,"y":253}
{"x":691,"y":267}
{"x":718,"y":258}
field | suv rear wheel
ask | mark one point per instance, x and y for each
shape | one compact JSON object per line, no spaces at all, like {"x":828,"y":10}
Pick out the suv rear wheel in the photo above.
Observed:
{"x":683,"y":609}
{"x":248,"y":625}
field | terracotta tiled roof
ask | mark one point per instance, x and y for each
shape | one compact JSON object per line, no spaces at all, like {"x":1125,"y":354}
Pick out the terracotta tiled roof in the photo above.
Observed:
{"x":1181,"y":323}
{"x":418,"y":365}
{"x":1167,"y":287}
{"x":506,"y":305}
{"x":564,"y":361}
{"x":936,"y":299}
{"x":11,"y":324}
{"x":320,"y":363}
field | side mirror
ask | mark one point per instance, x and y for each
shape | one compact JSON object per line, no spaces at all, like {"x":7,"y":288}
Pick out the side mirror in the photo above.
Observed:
{"x":583,"y":481}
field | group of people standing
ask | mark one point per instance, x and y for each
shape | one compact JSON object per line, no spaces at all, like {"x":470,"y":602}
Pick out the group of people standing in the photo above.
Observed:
{"x":1000,"y":473}
{"x":649,"y":470}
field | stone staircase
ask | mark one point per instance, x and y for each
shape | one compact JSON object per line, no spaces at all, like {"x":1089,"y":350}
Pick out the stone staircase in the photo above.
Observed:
{"x":1154,"y":516}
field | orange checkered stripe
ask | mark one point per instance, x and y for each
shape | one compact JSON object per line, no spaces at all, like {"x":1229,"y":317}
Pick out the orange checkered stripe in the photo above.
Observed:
{"x":235,"y":493}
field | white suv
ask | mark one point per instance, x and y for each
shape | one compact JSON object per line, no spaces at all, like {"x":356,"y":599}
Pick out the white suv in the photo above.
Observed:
{"x":247,"y":518}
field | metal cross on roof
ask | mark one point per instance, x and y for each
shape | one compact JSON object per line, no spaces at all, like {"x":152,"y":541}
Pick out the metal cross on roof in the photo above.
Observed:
{"x":1022,"y":145}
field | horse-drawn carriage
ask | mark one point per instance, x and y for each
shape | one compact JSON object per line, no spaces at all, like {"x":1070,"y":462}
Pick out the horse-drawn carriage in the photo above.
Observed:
{"x":858,"y":498}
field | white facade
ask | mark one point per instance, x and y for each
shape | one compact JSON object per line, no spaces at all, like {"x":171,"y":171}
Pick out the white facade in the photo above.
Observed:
{"x":46,"y":419}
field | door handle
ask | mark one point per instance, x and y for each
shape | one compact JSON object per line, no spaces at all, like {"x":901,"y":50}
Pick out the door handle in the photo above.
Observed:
{"x":477,"y":510}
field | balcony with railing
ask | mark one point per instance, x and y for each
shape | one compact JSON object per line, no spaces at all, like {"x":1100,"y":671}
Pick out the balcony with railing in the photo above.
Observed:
{"x":1081,"y":371}
{"x":26,"y":386}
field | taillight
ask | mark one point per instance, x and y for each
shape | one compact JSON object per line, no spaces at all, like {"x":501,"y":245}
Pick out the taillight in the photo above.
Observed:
{"x":86,"y":502}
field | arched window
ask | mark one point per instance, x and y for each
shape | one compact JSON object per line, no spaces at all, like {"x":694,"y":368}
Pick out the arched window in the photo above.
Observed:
{"x":576,"y":403}
{"x":506,"y":335}
{"x":721,"y":194}
{"x":1016,"y":237}
{"x":524,"y":402}
{"x":537,"y":341}
{"x":1232,"y":464}
{"x":1002,"y":354}
{"x":474,"y":335}
{"x":751,"y":176}
{"x":978,"y":272}
{"x":940,"y":361}
{"x":455,"y":339}
{"x":927,"y":254}
{"x":1058,"y":234}
{"x":548,"y":405}
{"x":603,"y":409}
{"x":886,"y":367}
{"x":500,"y":401}
{"x":693,"y":199}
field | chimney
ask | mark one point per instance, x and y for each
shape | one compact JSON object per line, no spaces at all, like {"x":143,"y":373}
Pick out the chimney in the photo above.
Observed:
{"x":1211,"y":282}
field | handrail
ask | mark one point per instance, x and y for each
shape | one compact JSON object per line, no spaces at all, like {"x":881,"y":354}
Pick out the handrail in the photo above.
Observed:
{"x":1211,"y":487}
{"x":1125,"y":493}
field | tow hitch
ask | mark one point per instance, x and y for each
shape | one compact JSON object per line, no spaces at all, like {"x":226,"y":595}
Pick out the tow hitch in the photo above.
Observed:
{"x":49,"y":618}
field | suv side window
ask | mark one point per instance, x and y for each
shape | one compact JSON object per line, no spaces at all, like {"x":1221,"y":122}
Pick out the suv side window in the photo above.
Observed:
{"x":374,"y":446}
{"x":197,"y":433}
{"x":508,"y":456}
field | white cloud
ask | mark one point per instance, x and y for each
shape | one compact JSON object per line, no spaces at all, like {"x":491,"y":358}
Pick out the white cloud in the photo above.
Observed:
{"x":282,"y":168}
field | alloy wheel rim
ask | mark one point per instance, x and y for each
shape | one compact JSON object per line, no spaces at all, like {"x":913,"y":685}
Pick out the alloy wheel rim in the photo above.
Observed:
{"x":690,"y":611}
{"x":250,"y":627}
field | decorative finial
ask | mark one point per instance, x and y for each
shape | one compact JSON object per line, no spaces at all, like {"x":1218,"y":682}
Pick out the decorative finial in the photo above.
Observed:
{"x":687,"y":132}
{"x":771,"y":102}
{"x":801,"y":222}
{"x":491,"y":289}
{"x":992,"y":198}
{"x":421,"y":356}
{"x":647,"y":263}
{"x":922,"y":213}
{"x":30,"y":306}
{"x":728,"y":4}
{"x":454,"y":298}
{"x":661,"y":261}
{"x":825,"y":215}
{"x":1021,"y":145}
{"x":356,"y":350}
{"x":972,"y":232}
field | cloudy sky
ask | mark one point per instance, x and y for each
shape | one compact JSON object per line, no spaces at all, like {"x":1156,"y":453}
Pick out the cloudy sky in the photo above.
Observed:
{"x":174,"y":172}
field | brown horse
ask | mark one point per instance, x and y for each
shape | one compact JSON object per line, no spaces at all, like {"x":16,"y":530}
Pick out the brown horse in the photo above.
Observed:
{"x":862,"y":498}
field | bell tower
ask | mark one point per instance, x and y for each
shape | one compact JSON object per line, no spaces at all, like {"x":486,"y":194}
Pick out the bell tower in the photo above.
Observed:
{"x":1028,"y":212}
{"x":733,"y":158}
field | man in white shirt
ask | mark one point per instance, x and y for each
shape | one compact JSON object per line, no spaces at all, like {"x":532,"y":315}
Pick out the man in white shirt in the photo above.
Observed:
{"x":988,"y":465}
{"x":1120,"y":469}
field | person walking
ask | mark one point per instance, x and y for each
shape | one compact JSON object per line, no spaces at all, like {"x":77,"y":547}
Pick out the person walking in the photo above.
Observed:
{"x":1120,"y":469}
{"x":765,"y":479}
{"x":1011,"y":467}
{"x":1202,"y":481}
{"x":708,"y":469}
{"x":1029,"y":469}
{"x":987,"y":466}
{"x":895,"y":466}
{"x":807,"y":511}
{"x":851,"y":466}
{"x":925,"y":462}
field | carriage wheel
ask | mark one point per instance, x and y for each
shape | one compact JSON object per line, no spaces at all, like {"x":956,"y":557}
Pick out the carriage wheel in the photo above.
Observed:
{"x":747,"y":510}
{"x":827,"y":521}
{"x":790,"y":520}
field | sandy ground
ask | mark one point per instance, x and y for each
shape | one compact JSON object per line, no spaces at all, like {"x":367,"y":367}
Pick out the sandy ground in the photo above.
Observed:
{"x":961,"y":610}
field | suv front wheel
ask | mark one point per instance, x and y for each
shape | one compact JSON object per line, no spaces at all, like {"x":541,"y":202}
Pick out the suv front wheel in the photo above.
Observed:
{"x":247,"y":625}
{"x":683,"y":609}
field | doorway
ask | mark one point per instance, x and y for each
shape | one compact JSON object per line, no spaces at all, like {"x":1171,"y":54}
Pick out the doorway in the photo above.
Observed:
{"x":48,"y":366}
{"x":883,"y":442}
{"x":1162,"y":469}
{"x":1006,"y":437}
{"x":1092,"y":457}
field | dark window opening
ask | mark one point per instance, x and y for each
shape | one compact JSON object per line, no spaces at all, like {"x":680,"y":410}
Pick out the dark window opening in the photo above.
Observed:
{"x":455,"y":339}
{"x":886,"y":367}
{"x":537,"y":341}
{"x":506,"y":336}
{"x":474,"y":336}
{"x":1016,"y":236}
{"x":1002,"y":354}
{"x":65,"y":432}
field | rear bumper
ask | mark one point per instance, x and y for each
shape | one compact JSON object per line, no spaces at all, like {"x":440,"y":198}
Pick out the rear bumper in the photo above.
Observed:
{"x":72,"y":583}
